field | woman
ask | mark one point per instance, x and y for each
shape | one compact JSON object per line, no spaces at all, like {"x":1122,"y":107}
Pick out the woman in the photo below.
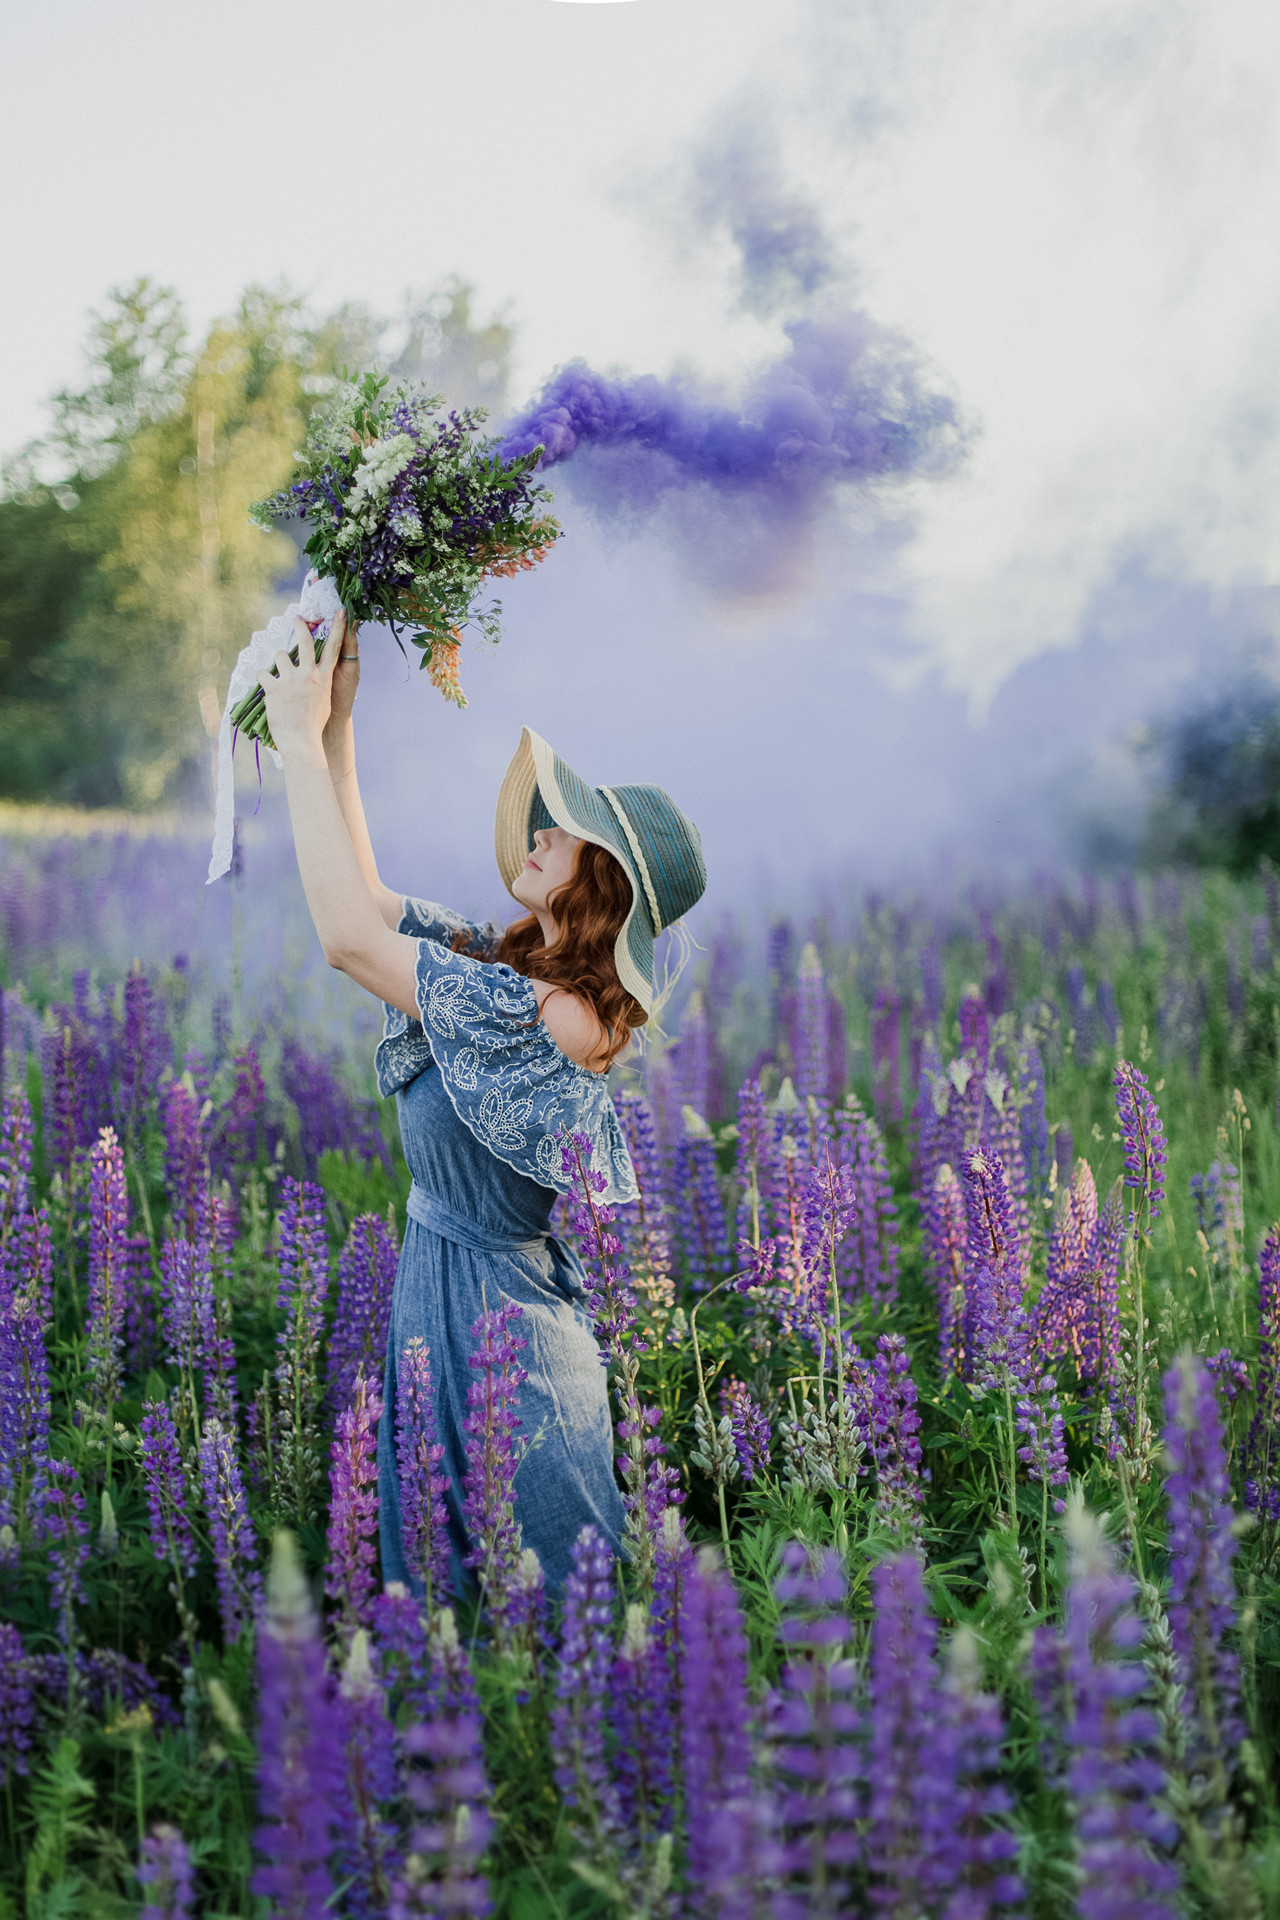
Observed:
{"x":494,"y":1042}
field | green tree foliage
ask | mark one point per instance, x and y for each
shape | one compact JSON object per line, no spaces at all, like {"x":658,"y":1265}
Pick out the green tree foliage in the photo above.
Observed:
{"x":1219,"y":800}
{"x":130,"y":575}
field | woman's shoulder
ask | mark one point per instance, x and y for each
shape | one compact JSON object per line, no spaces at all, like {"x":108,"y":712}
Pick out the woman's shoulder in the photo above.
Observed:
{"x":572,"y":1024}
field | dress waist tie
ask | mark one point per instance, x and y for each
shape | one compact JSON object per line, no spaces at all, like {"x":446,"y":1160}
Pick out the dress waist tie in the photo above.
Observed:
{"x":438,"y":1218}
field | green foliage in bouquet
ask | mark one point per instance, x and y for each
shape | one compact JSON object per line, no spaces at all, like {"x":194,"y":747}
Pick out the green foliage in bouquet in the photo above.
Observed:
{"x":411,"y":510}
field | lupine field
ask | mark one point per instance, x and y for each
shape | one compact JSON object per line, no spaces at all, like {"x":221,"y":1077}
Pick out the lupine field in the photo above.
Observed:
{"x":945,"y":1347}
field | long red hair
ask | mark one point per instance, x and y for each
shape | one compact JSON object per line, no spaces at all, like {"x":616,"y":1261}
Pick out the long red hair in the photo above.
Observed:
{"x":591,"y":910}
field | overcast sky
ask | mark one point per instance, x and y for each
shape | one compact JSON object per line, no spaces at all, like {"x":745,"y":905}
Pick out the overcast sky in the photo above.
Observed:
{"x":1068,"y":206}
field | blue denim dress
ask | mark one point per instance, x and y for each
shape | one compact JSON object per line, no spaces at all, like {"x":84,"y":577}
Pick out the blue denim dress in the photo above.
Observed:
{"x":482,"y":1092}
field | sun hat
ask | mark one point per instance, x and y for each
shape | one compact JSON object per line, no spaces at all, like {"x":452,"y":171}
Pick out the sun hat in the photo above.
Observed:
{"x":659,"y":847}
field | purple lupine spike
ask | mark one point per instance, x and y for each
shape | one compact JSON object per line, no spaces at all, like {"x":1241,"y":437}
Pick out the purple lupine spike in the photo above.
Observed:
{"x":1144,"y":1143}
{"x":815,"y":1728}
{"x":367,"y":1856}
{"x":700,"y":1221}
{"x":829,"y":1211}
{"x":611,"y":1300}
{"x":1034,"y":1122}
{"x":424,"y":1517}
{"x":17,"y":1133}
{"x":328,"y":1115}
{"x":186,"y":1286}
{"x":900,"y":1755}
{"x":967,"y":1852}
{"x":303,"y":1255}
{"x":108,"y":1237}
{"x":230,"y":1530}
{"x":975,"y":1032}
{"x":582,"y":1682}
{"x":493,"y":1455}
{"x":60,"y":1523}
{"x":837,"y":1051}
{"x":749,"y":1428}
{"x":691,"y":1056}
{"x":366,"y":1275}
{"x":168,"y":1504}
{"x":895,"y":1436}
{"x":886,"y":1053}
{"x":1202,"y":1545}
{"x":237,"y":1129}
{"x":1262,"y":1447}
{"x":946,"y":1234}
{"x":441,"y":1875}
{"x":732,"y":1848}
{"x":643,"y":1732}
{"x":353,"y":1507}
{"x":400,"y":1636}
{"x":1038,"y":1413}
{"x":758,"y":1170}
{"x":869,"y":1257}
{"x":17,"y":1704}
{"x":1061,"y":1325}
{"x":1002,"y":1133}
{"x":25,"y":1410}
{"x":993,"y":1240}
{"x":811,"y":1056}
{"x":1112,"y":1776}
{"x":165,"y":1870}
{"x":642,"y":1224}
{"x":146,"y":1050}
{"x":300,"y":1764}
{"x":141,"y":1307}
{"x":186,"y":1159}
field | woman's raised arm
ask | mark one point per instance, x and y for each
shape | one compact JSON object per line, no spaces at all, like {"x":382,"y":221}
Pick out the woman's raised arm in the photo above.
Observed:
{"x":340,"y":755}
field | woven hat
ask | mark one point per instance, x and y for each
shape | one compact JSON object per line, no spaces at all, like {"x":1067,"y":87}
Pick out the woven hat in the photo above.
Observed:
{"x":660,"y":849}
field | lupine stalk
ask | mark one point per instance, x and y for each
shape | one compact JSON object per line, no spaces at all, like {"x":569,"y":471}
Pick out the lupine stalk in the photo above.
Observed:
{"x":1144,"y":1159}
{"x":748,"y":1426}
{"x":108,"y":1237}
{"x":366,"y":1274}
{"x":1263,"y":1445}
{"x":579,"y":1717}
{"x":815,"y":1726}
{"x":300,"y":1766}
{"x":167,"y":1495}
{"x":441,"y":1878}
{"x":493,"y":1455}
{"x":230,"y":1529}
{"x":643,"y":1729}
{"x":424,"y":1518}
{"x":900,"y":1755}
{"x":699,"y":1207}
{"x":61,"y":1525}
{"x":643,"y":1223}
{"x":165,"y":1871}
{"x":353,"y":1508}
{"x":367,"y":1855}
{"x":811,"y":1041}
{"x":1202,"y":1546}
{"x":17,"y":1704}
{"x":869,"y":1253}
{"x":895,"y":1436}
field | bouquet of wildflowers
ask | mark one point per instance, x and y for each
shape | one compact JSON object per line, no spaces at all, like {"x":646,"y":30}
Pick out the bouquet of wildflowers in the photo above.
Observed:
{"x":411,"y":511}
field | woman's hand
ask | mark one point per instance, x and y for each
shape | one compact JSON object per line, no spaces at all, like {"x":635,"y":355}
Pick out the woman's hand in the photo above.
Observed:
{"x":342,"y":689}
{"x":299,"y":699}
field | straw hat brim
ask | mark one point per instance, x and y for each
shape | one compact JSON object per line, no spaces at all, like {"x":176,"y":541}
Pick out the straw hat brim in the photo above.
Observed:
{"x":538,"y":781}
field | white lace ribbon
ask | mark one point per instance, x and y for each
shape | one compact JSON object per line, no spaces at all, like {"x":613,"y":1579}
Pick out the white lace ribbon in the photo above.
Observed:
{"x":319,"y":602}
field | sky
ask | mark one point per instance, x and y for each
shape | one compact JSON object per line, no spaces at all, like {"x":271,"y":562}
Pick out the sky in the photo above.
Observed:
{"x":1061,"y":210}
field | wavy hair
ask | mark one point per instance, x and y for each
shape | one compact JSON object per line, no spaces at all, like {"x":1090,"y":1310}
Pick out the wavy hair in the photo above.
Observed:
{"x":591,"y":909}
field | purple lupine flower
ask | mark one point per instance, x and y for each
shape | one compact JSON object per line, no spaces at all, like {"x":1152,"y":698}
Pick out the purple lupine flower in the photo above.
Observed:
{"x":829,"y":1211}
{"x":749,"y":1426}
{"x":1144,"y":1144}
{"x":400,"y":1636}
{"x":1113,"y":1779}
{"x":353,"y":1507}
{"x":1061,"y":1326}
{"x":165,"y":1871}
{"x":17,"y":1130}
{"x":61,"y":1525}
{"x":17,"y":1704}
{"x":145,"y":1051}
{"x":1202,"y":1545}
{"x":328,"y":1115}
{"x":367,"y":1855}
{"x":582,"y":1684}
{"x":690,"y":1056}
{"x":996,"y":1336}
{"x":895,"y":1435}
{"x":493,"y":1454}
{"x":167,"y":1499}
{"x":642,"y":1724}
{"x":1038,"y":1414}
{"x":700,"y":1221}
{"x":141,"y":1308}
{"x":758,"y":1172}
{"x":1230,"y":1376}
{"x":108,"y":1237}
{"x":810,"y":1049}
{"x":869,"y":1255}
{"x":441,"y":1874}
{"x":642,"y":1223}
{"x":967,"y":1853}
{"x":901,"y":1756}
{"x":25,"y":1408}
{"x":731,"y":1845}
{"x":187,"y":1313}
{"x":300,"y":1764}
{"x":366,"y":1275}
{"x":886,"y":1049}
{"x":1002,"y":1134}
{"x":230,"y":1530}
{"x":815,"y":1728}
{"x":610,"y":1299}
{"x":303,"y":1254}
{"x":237,"y":1131}
{"x":946,"y":1232}
{"x":424,"y":1517}
{"x":1033,"y":1122}
{"x":1262,"y":1454}
{"x":186,"y":1157}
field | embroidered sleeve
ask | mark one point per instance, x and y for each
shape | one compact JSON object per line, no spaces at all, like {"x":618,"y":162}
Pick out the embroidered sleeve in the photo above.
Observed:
{"x":427,"y":921}
{"x":509,"y":1082}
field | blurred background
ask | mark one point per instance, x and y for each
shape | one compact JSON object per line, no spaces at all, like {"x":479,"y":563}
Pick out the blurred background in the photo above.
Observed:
{"x":1037,"y":237}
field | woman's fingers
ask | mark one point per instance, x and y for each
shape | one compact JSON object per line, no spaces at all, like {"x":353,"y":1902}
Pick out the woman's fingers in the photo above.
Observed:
{"x":333,"y":645}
